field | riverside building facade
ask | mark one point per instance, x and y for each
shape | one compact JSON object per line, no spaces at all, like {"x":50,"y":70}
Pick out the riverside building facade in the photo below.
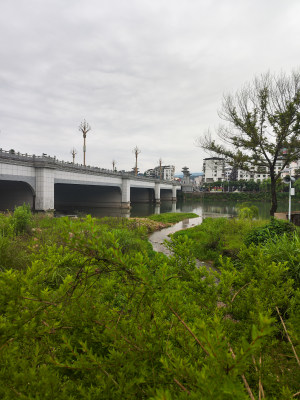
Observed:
{"x":216,"y":169}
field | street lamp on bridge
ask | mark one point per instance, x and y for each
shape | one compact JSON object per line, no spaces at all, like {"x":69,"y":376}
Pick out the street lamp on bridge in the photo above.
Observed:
{"x":84,"y":127}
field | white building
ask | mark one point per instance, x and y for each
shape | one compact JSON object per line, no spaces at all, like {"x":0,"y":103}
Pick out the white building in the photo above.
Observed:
{"x":214,"y":169}
{"x":217,"y":169}
{"x":197,"y":180}
{"x":165,"y":172}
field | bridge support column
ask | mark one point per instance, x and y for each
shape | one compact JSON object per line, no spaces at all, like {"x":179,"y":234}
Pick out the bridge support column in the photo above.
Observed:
{"x":157,"y":209}
{"x":44,"y":189}
{"x":125,"y":193}
{"x":157,"y":193}
{"x":174,"y":193}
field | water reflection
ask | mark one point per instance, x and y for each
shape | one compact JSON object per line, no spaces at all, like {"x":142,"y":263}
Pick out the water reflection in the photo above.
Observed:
{"x":204,"y":208}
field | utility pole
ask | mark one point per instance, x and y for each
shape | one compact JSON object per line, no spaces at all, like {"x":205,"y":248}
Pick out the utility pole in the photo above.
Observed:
{"x":84,"y":127}
{"x":113,"y":164}
{"x":73,"y":152}
{"x":136,"y":152}
{"x":289,"y":180}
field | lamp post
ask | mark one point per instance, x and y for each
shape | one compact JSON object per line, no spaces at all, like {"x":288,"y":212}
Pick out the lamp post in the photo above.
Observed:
{"x":136,"y":152}
{"x":73,"y":152}
{"x":160,"y":162}
{"x":84,"y":127}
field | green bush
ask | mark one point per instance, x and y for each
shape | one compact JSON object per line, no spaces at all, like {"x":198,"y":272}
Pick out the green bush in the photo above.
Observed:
{"x":218,"y":236}
{"x":274,"y":227}
{"x":22,"y":219}
{"x":90,"y":318}
{"x":285,"y":249}
{"x":247,"y":211}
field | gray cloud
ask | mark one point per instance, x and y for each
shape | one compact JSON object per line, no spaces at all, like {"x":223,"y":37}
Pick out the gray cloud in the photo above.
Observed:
{"x":142,"y":72}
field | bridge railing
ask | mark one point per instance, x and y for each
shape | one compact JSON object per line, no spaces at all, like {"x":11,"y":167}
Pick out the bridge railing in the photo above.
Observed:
{"x":54,"y":162}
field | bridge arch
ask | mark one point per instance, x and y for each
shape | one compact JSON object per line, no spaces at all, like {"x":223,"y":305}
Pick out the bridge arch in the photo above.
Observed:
{"x":16,"y":193}
{"x":142,"y":195}
{"x":166,"y":194}
{"x":68,"y":195}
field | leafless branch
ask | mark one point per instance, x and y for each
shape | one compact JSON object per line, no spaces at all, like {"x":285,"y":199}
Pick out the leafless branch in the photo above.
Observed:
{"x":288,"y":336}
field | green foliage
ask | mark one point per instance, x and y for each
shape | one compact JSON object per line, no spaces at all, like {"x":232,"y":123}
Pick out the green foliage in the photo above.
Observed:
{"x":172,"y":217}
{"x":96,"y":314}
{"x":218,"y":236}
{"x":274,"y":227}
{"x":22,"y":219}
{"x":285,"y":249}
{"x":247,"y":211}
{"x":13,"y":250}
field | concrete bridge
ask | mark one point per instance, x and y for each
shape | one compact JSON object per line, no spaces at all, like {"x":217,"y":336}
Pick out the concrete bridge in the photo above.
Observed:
{"x":47,"y":184}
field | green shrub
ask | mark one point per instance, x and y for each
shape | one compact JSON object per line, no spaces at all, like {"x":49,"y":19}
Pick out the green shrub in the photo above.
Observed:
{"x":218,"y":236}
{"x":22,"y":219}
{"x":94,"y":317}
{"x":285,"y":249}
{"x":274,"y":227}
{"x":6,"y":226}
{"x":247,"y":211}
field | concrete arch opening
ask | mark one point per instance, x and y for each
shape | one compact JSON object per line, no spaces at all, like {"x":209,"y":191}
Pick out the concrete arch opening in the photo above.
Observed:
{"x":14,"y":194}
{"x":74,"y":195}
{"x":166,"y":194}
{"x":141,"y":195}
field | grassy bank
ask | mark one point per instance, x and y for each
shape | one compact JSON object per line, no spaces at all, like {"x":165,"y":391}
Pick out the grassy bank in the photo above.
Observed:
{"x":221,"y":239}
{"x":89,"y":311}
{"x":172,"y":217}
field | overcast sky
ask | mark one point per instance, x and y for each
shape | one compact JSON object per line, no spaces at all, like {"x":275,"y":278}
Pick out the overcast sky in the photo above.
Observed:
{"x":150,"y":73}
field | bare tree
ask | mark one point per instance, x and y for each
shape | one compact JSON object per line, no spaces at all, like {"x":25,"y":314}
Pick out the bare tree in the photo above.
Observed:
{"x":113,"y":164}
{"x":84,"y":127}
{"x":136,"y":152}
{"x":263,"y":126}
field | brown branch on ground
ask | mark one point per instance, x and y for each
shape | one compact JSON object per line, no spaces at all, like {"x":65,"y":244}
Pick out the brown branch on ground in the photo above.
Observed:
{"x":189,"y":330}
{"x":244,"y":379}
{"x":239,"y":291}
{"x":289,"y":339}
{"x":181,"y":386}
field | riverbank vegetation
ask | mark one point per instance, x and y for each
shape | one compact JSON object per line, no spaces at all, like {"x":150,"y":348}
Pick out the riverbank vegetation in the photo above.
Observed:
{"x":90,"y":311}
{"x":172,"y":217}
{"x":237,"y":196}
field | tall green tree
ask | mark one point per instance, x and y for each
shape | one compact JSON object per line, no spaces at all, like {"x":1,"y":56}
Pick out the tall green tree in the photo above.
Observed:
{"x":262,"y":126}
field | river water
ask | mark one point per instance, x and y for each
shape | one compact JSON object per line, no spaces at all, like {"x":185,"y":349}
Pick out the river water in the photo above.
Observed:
{"x":203,"y":207}
{"x":157,"y":238}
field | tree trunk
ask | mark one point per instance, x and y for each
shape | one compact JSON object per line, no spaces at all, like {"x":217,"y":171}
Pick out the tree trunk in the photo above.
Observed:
{"x":273,"y":196}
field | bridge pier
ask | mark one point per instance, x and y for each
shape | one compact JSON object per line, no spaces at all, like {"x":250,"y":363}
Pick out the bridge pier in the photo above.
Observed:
{"x":157,"y":193}
{"x":174,"y":193}
{"x":44,"y":193}
{"x":125,"y":193}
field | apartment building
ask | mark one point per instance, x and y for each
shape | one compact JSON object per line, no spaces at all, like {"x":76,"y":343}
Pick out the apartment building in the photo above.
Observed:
{"x":165,"y":172}
{"x":217,"y":169}
{"x":213,"y":169}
